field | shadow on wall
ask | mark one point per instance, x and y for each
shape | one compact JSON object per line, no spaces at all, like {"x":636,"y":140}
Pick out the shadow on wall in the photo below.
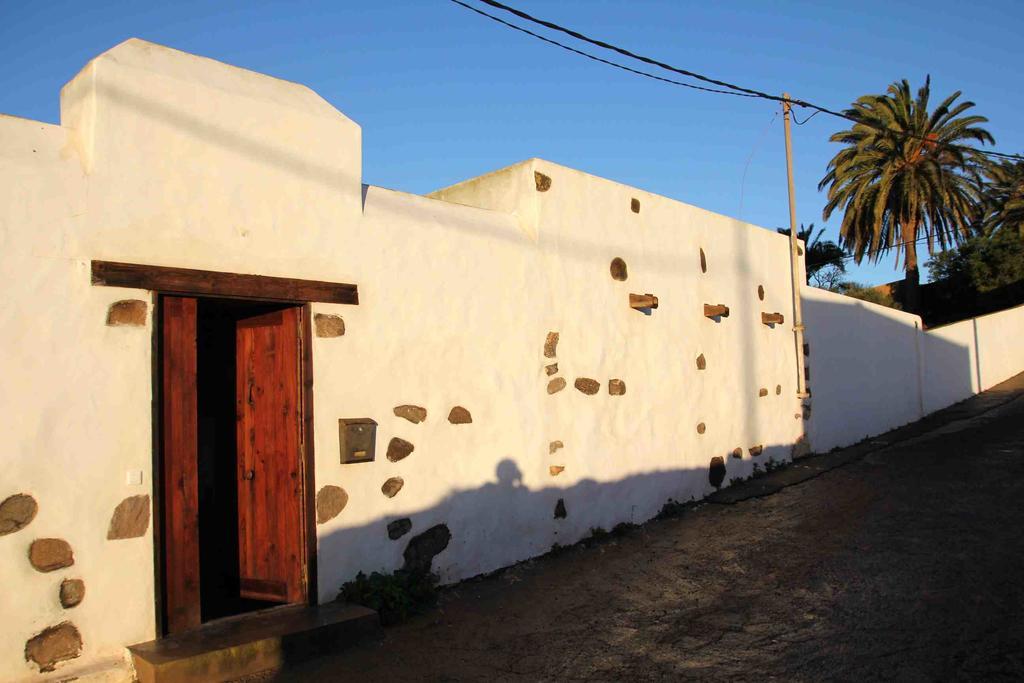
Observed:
{"x":873,"y":369}
{"x":504,"y":521}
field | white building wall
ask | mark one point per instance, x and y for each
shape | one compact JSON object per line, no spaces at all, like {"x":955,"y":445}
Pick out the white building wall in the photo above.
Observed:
{"x":168,"y":159}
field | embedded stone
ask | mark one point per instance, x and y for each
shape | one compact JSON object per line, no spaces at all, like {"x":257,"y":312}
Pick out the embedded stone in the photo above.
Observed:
{"x":619,"y":270}
{"x":554,"y":446}
{"x":737,"y":453}
{"x":329,"y":325}
{"x":420,"y":553}
{"x":701,"y":363}
{"x":17,"y":512}
{"x":50,"y":554}
{"x":542,"y":181}
{"x":551,"y":369}
{"x":700,"y":427}
{"x":330,"y":501}
{"x":760,"y":292}
{"x":778,"y":389}
{"x":555,"y":470}
{"x":551,"y":345}
{"x":560,"y":512}
{"x":807,"y":411}
{"x":756,"y":450}
{"x":392,"y":486}
{"x":556,"y":385}
{"x":130,"y":312}
{"x":716,"y":471}
{"x":53,"y":645}
{"x":72,"y":592}
{"x":399,"y":449}
{"x":616,"y":387}
{"x":459,"y":416}
{"x":762,"y":392}
{"x":414,"y":414}
{"x":587,"y":386}
{"x":801,"y":448}
{"x":807,"y":348}
{"x":703,"y":262}
{"x":130,"y":518}
{"x":634,"y":205}
{"x":399,"y":528}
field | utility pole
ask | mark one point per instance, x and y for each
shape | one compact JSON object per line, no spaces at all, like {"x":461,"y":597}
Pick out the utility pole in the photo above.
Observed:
{"x":794,"y":256}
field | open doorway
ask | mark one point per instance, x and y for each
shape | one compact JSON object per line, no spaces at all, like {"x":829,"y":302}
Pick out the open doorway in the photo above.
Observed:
{"x":234,"y":507}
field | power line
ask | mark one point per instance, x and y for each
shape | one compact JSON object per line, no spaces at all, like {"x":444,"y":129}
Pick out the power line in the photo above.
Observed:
{"x":595,"y":57}
{"x":800,"y":123}
{"x":691,"y":74}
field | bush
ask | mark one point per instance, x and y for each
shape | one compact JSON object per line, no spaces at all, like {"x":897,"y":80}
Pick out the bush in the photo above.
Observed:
{"x":396,"y":596}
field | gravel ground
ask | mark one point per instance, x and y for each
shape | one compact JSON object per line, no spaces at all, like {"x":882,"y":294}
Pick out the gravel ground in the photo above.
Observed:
{"x":905,"y":562}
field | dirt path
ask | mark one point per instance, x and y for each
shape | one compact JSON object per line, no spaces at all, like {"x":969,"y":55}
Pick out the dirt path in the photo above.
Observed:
{"x":906,"y":563}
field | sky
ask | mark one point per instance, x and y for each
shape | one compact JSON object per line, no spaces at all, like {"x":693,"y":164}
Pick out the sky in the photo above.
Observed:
{"x":444,"y":95}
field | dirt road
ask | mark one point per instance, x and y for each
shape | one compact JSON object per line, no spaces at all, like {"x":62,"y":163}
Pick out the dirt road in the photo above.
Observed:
{"x":905,"y":562}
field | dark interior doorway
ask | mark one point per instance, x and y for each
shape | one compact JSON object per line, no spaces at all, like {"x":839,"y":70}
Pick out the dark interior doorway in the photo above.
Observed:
{"x":234,"y":507}
{"x":218,"y":456}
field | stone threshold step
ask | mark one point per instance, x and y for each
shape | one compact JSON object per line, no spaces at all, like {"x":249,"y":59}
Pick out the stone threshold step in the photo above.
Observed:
{"x":240,"y":646}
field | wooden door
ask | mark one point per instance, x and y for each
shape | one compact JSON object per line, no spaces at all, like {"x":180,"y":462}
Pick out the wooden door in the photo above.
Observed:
{"x":271,"y":517}
{"x":180,"y":481}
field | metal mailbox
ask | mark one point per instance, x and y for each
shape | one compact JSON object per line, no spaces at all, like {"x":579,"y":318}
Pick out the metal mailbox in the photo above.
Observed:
{"x":358,"y":437}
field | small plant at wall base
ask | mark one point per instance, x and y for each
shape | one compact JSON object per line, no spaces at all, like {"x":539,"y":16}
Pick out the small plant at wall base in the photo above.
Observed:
{"x":395,"y":596}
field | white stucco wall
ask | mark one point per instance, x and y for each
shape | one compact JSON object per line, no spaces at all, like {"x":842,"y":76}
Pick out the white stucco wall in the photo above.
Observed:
{"x":165,"y":158}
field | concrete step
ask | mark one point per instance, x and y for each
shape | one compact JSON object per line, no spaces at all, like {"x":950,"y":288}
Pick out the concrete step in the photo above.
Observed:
{"x":248,"y":644}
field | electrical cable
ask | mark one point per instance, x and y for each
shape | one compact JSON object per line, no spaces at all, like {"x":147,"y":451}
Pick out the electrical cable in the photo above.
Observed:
{"x":691,"y":74}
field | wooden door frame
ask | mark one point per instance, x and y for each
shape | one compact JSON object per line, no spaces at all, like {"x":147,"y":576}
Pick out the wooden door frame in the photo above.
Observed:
{"x":307,"y":458}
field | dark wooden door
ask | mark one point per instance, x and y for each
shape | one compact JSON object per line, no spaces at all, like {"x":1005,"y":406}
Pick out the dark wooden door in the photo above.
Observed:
{"x":271,"y":524}
{"x":180,"y":482}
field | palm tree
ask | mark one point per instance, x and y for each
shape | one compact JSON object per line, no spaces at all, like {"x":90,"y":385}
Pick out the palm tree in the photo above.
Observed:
{"x":1004,"y":197}
{"x":825,"y":262}
{"x":903,"y":172}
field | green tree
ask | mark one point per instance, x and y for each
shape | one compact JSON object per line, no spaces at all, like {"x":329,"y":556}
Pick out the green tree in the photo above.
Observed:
{"x":1004,"y":197}
{"x":982,"y":263}
{"x":825,"y":261}
{"x":866,"y":293}
{"x":905,"y":171}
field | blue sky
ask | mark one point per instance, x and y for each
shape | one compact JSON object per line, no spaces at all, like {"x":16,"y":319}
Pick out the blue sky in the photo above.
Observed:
{"x":444,"y":95}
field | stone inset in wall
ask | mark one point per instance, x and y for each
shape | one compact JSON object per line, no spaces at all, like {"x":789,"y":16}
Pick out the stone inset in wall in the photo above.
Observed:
{"x":53,"y":645}
{"x":587,"y":386}
{"x":330,"y":501}
{"x":616,"y":387}
{"x":701,"y":428}
{"x":459,"y":416}
{"x":560,"y":511}
{"x":399,"y":528}
{"x":130,"y":518}
{"x":701,"y":362}
{"x":703,"y":262}
{"x":129,"y":312}
{"x":716,"y":471}
{"x":554,"y":446}
{"x":399,"y":449}
{"x":737,"y":453}
{"x":551,"y":369}
{"x":422,"y":549}
{"x":555,"y":470}
{"x":619,"y":270}
{"x":414,"y":414}
{"x":551,"y":345}
{"x":762,"y":392}
{"x":760,"y":292}
{"x":17,"y":512}
{"x":72,"y":592}
{"x":392,"y":486}
{"x":50,"y":554}
{"x":778,"y":389}
{"x":634,"y":205}
{"x":556,"y":385}
{"x":542,"y":181}
{"x":756,"y":450}
{"x":329,"y":325}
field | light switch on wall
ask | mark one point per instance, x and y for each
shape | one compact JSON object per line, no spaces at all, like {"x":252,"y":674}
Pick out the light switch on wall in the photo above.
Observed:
{"x":133,"y":477}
